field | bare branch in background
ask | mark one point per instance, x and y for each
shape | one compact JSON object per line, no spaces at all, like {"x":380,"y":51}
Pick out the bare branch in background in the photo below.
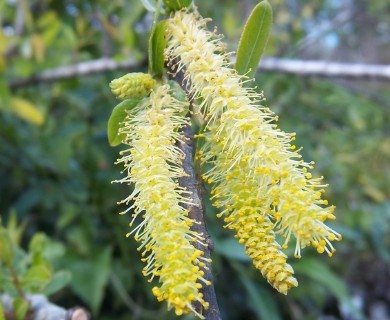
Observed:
{"x":352,"y":71}
{"x":75,"y":70}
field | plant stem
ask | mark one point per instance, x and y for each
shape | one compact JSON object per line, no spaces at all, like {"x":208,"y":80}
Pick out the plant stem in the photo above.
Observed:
{"x":196,"y":213}
{"x":16,"y":282}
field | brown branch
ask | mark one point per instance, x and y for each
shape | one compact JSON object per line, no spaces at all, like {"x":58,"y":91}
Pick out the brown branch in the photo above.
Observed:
{"x":15,"y":281}
{"x":193,"y":184}
{"x":354,"y":71}
{"x":196,"y":213}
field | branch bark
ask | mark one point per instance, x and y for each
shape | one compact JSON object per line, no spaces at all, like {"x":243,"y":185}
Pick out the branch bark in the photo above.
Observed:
{"x":354,"y":71}
{"x":197,"y":213}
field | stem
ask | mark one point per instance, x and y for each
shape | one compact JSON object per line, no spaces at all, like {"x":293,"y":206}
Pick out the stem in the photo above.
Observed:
{"x":196,"y":213}
{"x":16,"y":282}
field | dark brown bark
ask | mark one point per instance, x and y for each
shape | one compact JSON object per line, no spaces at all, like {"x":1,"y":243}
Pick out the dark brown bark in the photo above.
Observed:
{"x":192,"y":183}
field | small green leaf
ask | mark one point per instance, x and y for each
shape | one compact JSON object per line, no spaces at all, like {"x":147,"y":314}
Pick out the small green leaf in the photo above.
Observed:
{"x":37,"y":243}
{"x":6,"y":247}
{"x":60,"y":280}
{"x":20,"y":307}
{"x":15,"y":230}
{"x":177,"y":4}
{"x":157,"y":44}
{"x":118,"y":114}
{"x":36,"y":278}
{"x":254,"y":39}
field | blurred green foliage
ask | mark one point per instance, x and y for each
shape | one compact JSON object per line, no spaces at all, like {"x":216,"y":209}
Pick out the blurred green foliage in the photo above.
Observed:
{"x":56,"y":164}
{"x":28,"y":272}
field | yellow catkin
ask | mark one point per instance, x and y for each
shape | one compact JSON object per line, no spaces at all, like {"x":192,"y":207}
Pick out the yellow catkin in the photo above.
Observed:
{"x":132,"y":85}
{"x":244,"y":213}
{"x":243,"y":141}
{"x":153,"y":165}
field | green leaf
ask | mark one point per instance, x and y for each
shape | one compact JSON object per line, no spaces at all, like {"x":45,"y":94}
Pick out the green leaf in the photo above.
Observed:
{"x":319,"y":272}
{"x":60,"y":280}
{"x":6,"y":247}
{"x":20,"y":307}
{"x":37,"y":243}
{"x":261,"y":302}
{"x":254,"y":39}
{"x":15,"y":230}
{"x":26,"y":110}
{"x":177,"y":4}
{"x":230,"y":248}
{"x":41,"y":247}
{"x":89,"y":278}
{"x":36,"y":278}
{"x":118,"y":114}
{"x":259,"y":299}
{"x":157,"y":44}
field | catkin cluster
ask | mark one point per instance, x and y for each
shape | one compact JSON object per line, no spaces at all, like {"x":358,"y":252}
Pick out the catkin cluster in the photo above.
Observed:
{"x":258,"y":180}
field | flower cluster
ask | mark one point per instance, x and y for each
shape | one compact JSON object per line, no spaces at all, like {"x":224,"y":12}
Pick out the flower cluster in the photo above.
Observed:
{"x":153,"y":165}
{"x":258,"y":177}
{"x":260,"y":184}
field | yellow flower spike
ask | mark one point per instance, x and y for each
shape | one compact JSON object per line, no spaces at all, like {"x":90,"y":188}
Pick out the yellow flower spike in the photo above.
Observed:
{"x":132,"y":85}
{"x":153,"y":165}
{"x":266,"y":255}
{"x":243,"y":142}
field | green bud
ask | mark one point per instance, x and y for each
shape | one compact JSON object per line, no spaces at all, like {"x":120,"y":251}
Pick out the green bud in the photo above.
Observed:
{"x":132,"y":85}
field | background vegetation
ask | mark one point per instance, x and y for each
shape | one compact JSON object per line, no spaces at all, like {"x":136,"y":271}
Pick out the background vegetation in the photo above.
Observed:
{"x":56,"y":165}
